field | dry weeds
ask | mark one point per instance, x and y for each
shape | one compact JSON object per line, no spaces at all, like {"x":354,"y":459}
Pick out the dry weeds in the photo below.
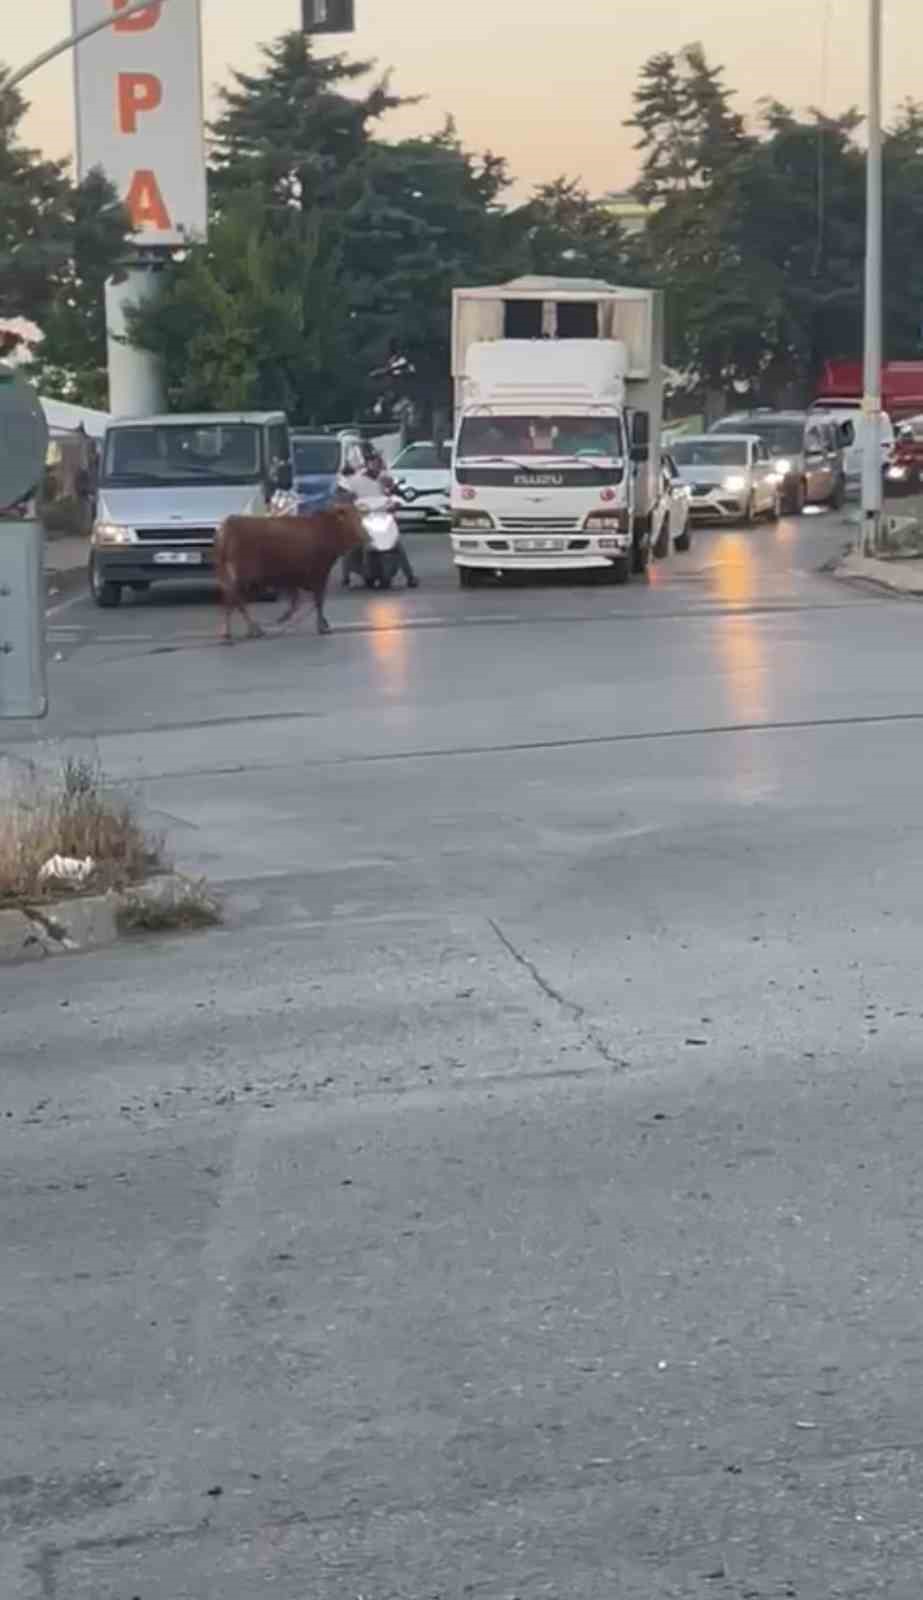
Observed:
{"x":71,"y":813}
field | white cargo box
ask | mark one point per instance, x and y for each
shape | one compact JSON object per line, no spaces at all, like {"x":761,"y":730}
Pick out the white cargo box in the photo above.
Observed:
{"x":572,"y":374}
{"x":542,"y":309}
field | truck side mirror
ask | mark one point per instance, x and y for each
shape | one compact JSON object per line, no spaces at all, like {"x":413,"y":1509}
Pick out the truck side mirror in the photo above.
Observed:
{"x":847,"y":433}
{"x":640,"y":436}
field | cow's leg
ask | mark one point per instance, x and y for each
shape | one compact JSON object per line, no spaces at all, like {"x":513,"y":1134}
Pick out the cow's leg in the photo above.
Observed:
{"x":323,"y":626}
{"x":254,"y":631}
{"x":228,"y":606}
{"x":292,"y":609}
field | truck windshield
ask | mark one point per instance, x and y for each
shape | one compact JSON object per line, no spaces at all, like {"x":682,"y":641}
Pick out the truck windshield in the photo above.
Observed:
{"x":320,"y":456}
{"x":709,"y":452}
{"x":530,"y":436}
{"x":182,"y":453}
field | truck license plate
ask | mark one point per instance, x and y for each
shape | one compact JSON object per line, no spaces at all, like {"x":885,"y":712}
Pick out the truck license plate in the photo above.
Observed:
{"x":540,"y":544}
{"x":178,"y":558}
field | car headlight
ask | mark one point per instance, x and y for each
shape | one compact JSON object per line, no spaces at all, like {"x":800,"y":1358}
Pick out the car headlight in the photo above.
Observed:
{"x":897,"y":472}
{"x":783,"y":467}
{"x":113,"y":533}
{"x":735,"y":484}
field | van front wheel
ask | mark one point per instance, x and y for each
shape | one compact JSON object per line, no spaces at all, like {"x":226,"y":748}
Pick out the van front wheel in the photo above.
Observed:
{"x":104,"y":591}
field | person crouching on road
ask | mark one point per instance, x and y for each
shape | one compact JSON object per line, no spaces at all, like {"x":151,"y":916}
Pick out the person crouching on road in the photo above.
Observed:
{"x":372,"y":482}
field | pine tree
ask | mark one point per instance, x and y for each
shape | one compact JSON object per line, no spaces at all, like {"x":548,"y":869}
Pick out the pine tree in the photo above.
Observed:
{"x":291,"y":130}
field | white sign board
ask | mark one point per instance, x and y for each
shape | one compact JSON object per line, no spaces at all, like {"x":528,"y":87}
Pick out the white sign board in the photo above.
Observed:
{"x":138,"y":89}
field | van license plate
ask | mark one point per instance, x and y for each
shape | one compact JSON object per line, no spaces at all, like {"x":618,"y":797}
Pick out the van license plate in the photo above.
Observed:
{"x":178,"y":558}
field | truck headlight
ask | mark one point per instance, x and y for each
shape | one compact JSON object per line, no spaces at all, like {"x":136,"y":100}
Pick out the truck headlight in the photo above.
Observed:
{"x":606,"y":521}
{"x":113,"y":533}
{"x":735,"y":484}
{"x":782,"y":467}
{"x":471,"y":519}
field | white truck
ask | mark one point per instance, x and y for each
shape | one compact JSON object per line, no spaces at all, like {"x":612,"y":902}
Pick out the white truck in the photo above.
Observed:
{"x":558,"y":408}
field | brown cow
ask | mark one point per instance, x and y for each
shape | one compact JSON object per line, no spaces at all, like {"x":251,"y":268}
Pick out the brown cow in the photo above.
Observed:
{"x":292,"y":554}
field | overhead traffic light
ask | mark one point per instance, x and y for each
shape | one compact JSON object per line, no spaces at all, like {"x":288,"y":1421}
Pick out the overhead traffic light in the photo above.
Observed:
{"x":328,"y":16}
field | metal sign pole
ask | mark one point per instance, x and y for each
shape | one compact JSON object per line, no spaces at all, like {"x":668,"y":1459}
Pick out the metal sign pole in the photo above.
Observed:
{"x":23,"y":446}
{"x":75,"y":39}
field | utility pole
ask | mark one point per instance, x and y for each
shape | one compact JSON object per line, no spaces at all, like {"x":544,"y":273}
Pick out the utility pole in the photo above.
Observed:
{"x":871,"y":399}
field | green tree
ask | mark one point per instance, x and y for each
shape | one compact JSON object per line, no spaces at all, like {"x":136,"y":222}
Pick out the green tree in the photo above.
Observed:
{"x":903,"y":232}
{"x":687,"y":131}
{"x":70,"y":362}
{"x":426,"y":215}
{"x":564,"y":230}
{"x":59,"y":242}
{"x":252,"y":318}
{"x":34,"y":239}
{"x":290,"y":130}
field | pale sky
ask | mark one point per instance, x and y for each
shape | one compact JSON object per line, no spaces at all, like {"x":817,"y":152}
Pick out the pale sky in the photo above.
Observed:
{"x":551,"y":94}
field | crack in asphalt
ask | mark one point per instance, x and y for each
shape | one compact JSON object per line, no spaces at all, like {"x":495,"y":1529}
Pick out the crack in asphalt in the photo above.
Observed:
{"x":577,"y":1012}
{"x":515,"y":747}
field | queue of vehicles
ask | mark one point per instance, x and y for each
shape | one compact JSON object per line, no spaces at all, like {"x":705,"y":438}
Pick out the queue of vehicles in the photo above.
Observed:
{"x":556,"y":464}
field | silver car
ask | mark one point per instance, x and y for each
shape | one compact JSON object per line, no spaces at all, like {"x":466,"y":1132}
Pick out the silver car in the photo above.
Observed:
{"x":731,"y":478}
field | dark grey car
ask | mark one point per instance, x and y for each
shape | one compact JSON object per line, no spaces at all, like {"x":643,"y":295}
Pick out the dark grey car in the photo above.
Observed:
{"x":808,"y":451}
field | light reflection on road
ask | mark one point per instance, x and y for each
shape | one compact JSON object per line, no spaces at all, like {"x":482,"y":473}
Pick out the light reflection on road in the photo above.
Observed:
{"x":390,"y":645}
{"x":740,"y":643}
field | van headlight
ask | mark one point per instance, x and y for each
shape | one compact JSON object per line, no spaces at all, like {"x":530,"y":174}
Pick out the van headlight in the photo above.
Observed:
{"x":113,"y":533}
{"x":735,"y":484}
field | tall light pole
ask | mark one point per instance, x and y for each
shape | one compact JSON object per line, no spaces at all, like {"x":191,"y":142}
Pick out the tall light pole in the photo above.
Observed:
{"x":74,"y":39}
{"x":871,"y":399}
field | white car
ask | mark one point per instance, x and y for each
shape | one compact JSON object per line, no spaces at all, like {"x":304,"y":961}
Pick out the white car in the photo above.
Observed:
{"x":674,"y":530}
{"x":423,"y":477}
{"x":730,"y":475}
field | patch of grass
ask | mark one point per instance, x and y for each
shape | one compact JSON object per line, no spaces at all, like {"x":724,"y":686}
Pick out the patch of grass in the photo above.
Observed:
{"x":182,"y":903}
{"x":70,"y":812}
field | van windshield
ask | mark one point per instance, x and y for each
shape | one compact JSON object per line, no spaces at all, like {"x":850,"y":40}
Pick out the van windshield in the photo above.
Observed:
{"x":710,"y":452}
{"x":486,"y":436}
{"x":316,"y":456}
{"x":780,"y":438}
{"x":182,"y":453}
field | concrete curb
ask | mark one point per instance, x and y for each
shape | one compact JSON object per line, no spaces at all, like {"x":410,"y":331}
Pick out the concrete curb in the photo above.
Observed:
{"x":91,"y":922}
{"x":900,"y":575}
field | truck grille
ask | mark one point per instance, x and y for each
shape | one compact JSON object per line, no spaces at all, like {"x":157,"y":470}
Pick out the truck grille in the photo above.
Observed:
{"x":177,"y":534}
{"x":539,"y":524}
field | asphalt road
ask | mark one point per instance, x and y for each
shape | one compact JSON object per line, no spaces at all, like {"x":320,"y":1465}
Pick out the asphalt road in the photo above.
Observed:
{"x":520,"y":1196}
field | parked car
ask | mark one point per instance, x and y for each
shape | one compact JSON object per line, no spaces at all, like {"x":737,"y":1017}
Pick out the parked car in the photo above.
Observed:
{"x":730,"y":477}
{"x":675,"y":530}
{"x":807,"y":452}
{"x":422,"y":473}
{"x":318,"y":460}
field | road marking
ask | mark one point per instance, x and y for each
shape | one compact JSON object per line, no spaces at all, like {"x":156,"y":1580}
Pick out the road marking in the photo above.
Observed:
{"x":65,"y":605}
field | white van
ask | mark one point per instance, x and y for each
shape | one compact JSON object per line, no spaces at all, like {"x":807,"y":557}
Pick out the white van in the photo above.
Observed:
{"x":849,"y":410}
{"x":165,"y":485}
